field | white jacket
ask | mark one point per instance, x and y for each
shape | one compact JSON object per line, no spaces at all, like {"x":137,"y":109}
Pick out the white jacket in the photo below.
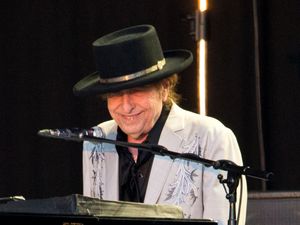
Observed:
{"x":190,"y":185}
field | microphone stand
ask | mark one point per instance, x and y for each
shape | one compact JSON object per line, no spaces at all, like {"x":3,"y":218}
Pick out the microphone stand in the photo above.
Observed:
{"x":233,"y":176}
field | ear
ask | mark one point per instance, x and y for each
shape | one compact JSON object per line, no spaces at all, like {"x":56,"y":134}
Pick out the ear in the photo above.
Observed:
{"x":165,"y":93}
{"x":164,"y":90}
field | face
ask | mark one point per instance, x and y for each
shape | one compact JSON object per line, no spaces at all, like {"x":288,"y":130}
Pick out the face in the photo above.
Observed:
{"x":136,"y":110}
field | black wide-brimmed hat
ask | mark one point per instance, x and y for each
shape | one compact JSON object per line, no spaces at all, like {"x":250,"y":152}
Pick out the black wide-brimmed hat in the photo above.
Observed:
{"x":129,"y":58}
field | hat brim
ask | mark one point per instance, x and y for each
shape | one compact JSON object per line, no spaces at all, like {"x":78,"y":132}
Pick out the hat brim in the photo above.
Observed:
{"x":176,"y":61}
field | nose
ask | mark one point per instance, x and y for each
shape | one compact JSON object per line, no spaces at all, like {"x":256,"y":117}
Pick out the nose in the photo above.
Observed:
{"x":127,"y":103}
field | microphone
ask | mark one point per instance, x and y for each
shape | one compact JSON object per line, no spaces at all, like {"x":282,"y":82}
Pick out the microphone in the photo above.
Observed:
{"x":72,"y":134}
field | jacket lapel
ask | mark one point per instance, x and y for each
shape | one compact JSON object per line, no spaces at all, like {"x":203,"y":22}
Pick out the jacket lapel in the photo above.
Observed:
{"x":111,"y":171}
{"x":162,"y":165}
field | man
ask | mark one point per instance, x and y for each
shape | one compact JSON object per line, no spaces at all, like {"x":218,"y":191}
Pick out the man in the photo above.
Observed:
{"x":138,"y":81}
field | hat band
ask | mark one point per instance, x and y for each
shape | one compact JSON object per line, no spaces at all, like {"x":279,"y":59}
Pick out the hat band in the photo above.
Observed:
{"x":160,"y":64}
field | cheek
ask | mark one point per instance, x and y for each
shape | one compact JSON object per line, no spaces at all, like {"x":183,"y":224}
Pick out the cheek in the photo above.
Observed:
{"x":111,"y":106}
{"x":156,"y":106}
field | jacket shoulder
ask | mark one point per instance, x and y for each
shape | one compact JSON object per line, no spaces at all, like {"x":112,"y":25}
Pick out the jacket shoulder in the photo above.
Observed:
{"x":192,"y":118}
{"x":109,"y":128}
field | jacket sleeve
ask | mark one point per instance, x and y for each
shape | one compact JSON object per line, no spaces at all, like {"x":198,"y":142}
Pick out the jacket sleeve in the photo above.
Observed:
{"x":221,"y":143}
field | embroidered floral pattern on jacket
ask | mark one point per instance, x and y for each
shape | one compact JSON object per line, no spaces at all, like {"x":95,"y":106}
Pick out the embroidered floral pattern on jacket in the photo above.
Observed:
{"x":183,"y":191}
{"x":97,"y":158}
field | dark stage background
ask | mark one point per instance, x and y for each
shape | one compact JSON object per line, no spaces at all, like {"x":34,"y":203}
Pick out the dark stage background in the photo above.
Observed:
{"x":46,"y":49}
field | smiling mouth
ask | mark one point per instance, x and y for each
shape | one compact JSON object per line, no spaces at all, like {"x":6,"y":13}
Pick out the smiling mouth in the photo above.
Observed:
{"x":131,"y":117}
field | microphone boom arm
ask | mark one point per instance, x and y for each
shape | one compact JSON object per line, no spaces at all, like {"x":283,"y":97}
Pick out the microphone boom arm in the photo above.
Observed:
{"x":86,"y":135}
